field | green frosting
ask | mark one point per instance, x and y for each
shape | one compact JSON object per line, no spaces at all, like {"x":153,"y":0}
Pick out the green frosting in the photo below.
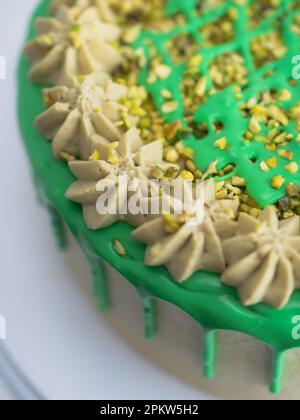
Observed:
{"x":212,"y":305}
{"x":223,"y":107}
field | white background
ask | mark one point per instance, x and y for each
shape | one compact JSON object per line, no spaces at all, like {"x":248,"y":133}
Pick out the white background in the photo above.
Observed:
{"x":54,"y":332}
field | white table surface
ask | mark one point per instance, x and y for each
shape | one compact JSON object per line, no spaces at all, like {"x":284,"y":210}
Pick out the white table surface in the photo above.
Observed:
{"x":5,"y":393}
{"x":53,"y":333}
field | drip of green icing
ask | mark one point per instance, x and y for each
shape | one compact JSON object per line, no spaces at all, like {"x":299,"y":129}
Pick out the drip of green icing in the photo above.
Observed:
{"x":149,"y":307}
{"x":55,"y":218}
{"x":99,"y":275}
{"x":203,"y":296}
{"x":100,"y":282}
{"x":56,"y":221}
{"x":209,"y":353}
{"x":278,"y":360}
{"x":57,"y":227}
{"x":149,"y":310}
{"x":223,"y":106}
{"x":40,"y":196}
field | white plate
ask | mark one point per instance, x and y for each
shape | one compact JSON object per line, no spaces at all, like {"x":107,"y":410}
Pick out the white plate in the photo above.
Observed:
{"x":54,"y":332}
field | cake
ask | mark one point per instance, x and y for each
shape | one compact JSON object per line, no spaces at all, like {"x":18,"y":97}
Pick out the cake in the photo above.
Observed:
{"x":199,"y":94}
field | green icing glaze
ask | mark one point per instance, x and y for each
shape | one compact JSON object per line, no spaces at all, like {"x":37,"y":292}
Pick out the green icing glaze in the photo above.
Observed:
{"x":98,"y":274}
{"x":223,"y":107}
{"x":203,"y":297}
{"x":209,"y":352}
{"x":277,"y":371}
{"x":149,"y":311}
{"x":58,"y":227}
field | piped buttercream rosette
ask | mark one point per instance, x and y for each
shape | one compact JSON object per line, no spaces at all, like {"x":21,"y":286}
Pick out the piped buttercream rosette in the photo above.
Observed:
{"x":101,"y":189}
{"x":187,"y":243}
{"x":76,"y":114}
{"x":71,"y":45}
{"x":77,"y":6}
{"x":263,"y":258}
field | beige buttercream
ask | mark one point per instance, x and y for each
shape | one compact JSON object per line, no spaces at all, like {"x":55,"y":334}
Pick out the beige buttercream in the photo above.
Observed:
{"x":184,"y":244}
{"x":263,"y":259}
{"x":67,"y":47}
{"x":77,"y":6}
{"x":133,"y":159}
{"x":81,"y":117}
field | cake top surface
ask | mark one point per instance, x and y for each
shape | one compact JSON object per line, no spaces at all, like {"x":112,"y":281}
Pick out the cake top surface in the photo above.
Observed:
{"x":225,"y":72}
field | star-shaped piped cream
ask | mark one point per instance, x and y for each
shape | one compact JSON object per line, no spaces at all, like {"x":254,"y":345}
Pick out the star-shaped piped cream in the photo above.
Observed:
{"x":77,"y":114}
{"x":77,"y":6}
{"x":130,"y":157}
{"x":184,"y":244}
{"x":263,"y":259}
{"x":68,"y":46}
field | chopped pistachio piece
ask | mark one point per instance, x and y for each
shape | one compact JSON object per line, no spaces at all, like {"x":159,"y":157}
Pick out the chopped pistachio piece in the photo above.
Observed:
{"x":81,"y":78}
{"x":254,"y":125}
{"x":272,"y":162}
{"x":190,"y":166}
{"x":67,"y":157}
{"x":277,"y":182}
{"x":221,"y":194}
{"x":221,"y":143}
{"x":171,"y":224}
{"x":271,"y":147}
{"x":169,"y":107}
{"x":172,"y":130}
{"x":255,"y":212}
{"x":264,"y":167}
{"x":277,"y":114}
{"x":187,"y":176}
{"x":131,"y":34}
{"x":162,"y":71}
{"x":75,"y":40}
{"x":171,"y":155}
{"x":95,"y":155}
{"x":238,"y":181}
{"x":45,"y":41}
{"x":293,"y":190}
{"x":287,"y":154}
{"x":48,"y":100}
{"x":158,"y":172}
{"x":292,"y":167}
{"x":201,"y":86}
{"x":166,"y":94}
{"x":284,"y":95}
{"x":75,"y":27}
{"x":119,"y":247}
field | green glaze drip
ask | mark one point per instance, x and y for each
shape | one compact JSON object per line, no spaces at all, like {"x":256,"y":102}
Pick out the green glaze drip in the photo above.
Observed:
{"x":149,"y":308}
{"x":209,"y":353}
{"x":203,"y":297}
{"x":40,"y":196}
{"x":149,"y":311}
{"x":223,"y":106}
{"x":278,"y":360}
{"x":99,"y":275}
{"x":56,"y":220}
{"x":100,"y":282}
{"x":57,"y":227}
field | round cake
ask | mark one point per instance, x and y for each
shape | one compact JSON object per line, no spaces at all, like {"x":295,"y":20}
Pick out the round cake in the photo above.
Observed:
{"x":173,"y":158}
